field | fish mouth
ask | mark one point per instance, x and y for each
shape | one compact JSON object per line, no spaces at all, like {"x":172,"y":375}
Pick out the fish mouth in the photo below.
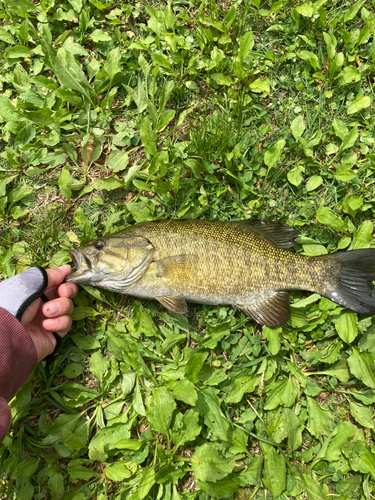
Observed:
{"x":83,"y":265}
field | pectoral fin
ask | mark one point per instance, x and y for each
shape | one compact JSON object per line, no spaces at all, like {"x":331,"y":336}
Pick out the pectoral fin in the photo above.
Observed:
{"x":272,"y":311}
{"x":175,"y":304}
{"x":172,"y":266}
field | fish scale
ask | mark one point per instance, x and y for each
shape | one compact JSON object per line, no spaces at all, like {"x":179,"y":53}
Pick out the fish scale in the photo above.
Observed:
{"x":237,"y":255}
{"x":246,"y":264}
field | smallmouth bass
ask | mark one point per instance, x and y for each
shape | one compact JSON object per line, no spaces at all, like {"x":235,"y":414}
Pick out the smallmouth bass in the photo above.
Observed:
{"x":245,"y":264}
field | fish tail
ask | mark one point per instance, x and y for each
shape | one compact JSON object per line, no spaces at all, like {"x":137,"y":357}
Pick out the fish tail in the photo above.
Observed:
{"x":353,"y":286}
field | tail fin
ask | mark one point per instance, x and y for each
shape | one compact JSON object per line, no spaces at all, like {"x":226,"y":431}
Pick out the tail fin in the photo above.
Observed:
{"x":354,"y":287}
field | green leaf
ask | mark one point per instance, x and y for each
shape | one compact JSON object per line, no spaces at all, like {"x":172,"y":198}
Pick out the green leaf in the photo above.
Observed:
{"x":272,"y":154}
{"x":346,"y":325}
{"x":350,"y":75}
{"x":306,"y":9}
{"x":273,"y":337}
{"x":161,"y":60}
{"x":340,"y":370}
{"x":362,"y":415}
{"x":63,"y":182}
{"x":345,"y":431}
{"x":360,"y":457}
{"x":15,"y":52}
{"x":352,"y":11}
{"x":138,"y":401}
{"x":215,"y":334}
{"x":166,"y":117}
{"x":108,"y":437}
{"x":325,"y":216}
{"x":18,"y":212}
{"x":361,"y":365}
{"x":119,"y":470}
{"x":8,"y":111}
{"x":242,"y":385}
{"x":314,"y":182}
{"x":118,"y":160}
{"x":238,"y":442}
{"x":351,"y":138}
{"x":108,"y":183}
{"x":185,"y":427}
{"x":19,"y":193}
{"x":160,"y":407}
{"x":340,"y":129}
{"x":320,"y":422}
{"x":246,"y":43}
{"x":274,"y":473}
{"x":184,"y":390}
{"x":85,"y":343}
{"x":298,"y":127}
{"x":209,"y":465}
{"x":26,"y":468}
{"x":208,"y":405}
{"x":260,"y":85}
{"x":360,"y":102}
{"x":313,"y":489}
{"x":100,"y":36}
{"x":363,"y":237}
{"x":221,"y":489}
{"x":112,"y":64}
{"x":310,"y":57}
{"x":98,"y":365}
{"x":73,"y":370}
{"x":194,"y":366}
{"x":169,"y":17}
{"x":148,"y":136}
{"x":294,"y":176}
{"x":367,"y":340}
{"x":146,"y":483}
{"x":284,"y":393}
{"x":222,"y":79}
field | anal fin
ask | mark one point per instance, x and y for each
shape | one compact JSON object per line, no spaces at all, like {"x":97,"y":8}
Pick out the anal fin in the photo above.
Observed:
{"x":272,"y":311}
{"x":175,"y":304}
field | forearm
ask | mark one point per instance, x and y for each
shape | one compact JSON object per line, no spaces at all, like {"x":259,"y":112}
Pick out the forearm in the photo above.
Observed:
{"x":17,"y":360}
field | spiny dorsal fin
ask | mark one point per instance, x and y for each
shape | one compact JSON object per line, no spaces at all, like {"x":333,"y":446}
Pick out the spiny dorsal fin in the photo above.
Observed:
{"x":279,"y":235}
{"x":272,"y":311}
{"x":175,"y":304}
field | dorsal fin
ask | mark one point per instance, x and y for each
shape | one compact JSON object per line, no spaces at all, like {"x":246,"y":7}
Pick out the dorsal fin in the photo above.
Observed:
{"x":279,"y":235}
{"x":272,"y":311}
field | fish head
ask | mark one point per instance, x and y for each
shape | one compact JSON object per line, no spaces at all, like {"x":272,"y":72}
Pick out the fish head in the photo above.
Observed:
{"x":114,"y":262}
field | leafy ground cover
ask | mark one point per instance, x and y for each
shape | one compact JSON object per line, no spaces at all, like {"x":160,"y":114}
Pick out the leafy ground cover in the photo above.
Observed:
{"x":116,"y":113}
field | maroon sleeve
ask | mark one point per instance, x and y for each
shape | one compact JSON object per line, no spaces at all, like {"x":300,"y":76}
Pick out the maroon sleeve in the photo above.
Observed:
{"x":17,"y":360}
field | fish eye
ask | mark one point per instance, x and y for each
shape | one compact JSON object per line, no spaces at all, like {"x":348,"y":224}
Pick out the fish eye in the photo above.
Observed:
{"x":98,"y":245}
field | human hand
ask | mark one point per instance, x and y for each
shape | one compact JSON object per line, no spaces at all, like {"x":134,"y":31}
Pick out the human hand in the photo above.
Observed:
{"x":40,"y":320}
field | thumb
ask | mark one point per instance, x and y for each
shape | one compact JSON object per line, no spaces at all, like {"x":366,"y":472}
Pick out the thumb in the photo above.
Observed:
{"x":31,"y":312}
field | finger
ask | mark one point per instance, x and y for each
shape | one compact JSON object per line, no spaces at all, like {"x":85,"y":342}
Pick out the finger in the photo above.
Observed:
{"x":60,"y":325}
{"x":56,"y":276}
{"x":67,"y":290}
{"x":58,"y":307}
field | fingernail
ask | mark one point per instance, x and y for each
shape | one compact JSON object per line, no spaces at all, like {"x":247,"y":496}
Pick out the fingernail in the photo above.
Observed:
{"x":52,"y":308}
{"x":65,"y":267}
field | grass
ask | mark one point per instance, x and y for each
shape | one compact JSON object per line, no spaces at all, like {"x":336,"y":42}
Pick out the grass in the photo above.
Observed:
{"x":112,"y":114}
